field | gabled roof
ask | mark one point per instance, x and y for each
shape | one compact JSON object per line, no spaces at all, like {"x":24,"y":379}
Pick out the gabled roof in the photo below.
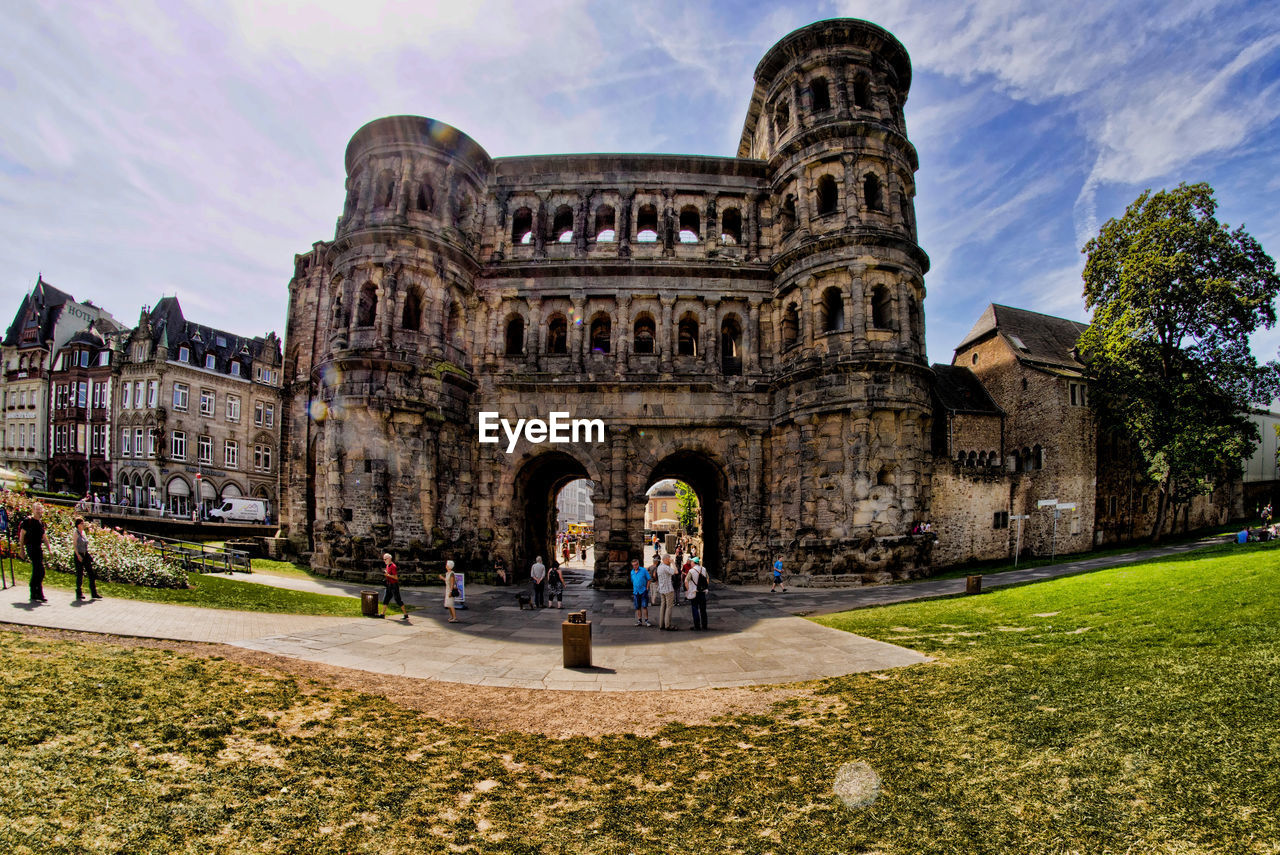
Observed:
{"x":959,"y":390}
{"x":47,"y":302}
{"x":1036,"y":339}
{"x":170,"y":328}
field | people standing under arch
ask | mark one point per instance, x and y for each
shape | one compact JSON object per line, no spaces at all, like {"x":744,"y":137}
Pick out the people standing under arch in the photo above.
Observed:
{"x":538,"y":575}
{"x":695,"y":590}
{"x":640,"y":592}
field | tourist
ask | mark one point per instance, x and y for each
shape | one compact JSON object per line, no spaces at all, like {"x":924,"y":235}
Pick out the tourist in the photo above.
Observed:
{"x":538,"y":574}
{"x":555,"y":585}
{"x":1243,"y":536}
{"x":695,"y":591}
{"x":34,"y":538}
{"x":391,"y":577}
{"x":640,"y":592}
{"x":451,"y":591}
{"x":777,"y":577}
{"x":667,"y":591}
{"x":83,"y":562}
{"x":500,"y":570}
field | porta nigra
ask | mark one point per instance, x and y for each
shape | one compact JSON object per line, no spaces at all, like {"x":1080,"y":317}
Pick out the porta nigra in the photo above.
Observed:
{"x":752,"y":325}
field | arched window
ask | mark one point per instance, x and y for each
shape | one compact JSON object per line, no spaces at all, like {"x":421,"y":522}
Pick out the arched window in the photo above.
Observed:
{"x":787,"y":214}
{"x":367,"y":307}
{"x":687,"y":336}
{"x":522,"y":226}
{"x":425,"y":199}
{"x":515,"y":337}
{"x":781,"y":116}
{"x":647,"y":224}
{"x":828,"y":195}
{"x":453,"y":326}
{"x":731,"y":346}
{"x":790,"y":326}
{"x":982,"y":458}
{"x":605,"y":229}
{"x":562,"y":225}
{"x":353,"y":198}
{"x":601,"y":333}
{"x":913,"y":317}
{"x":871,"y":192}
{"x":557,"y":335}
{"x":412,"y":317}
{"x":821,"y":94}
{"x":1037,"y":457}
{"x":690,"y":228}
{"x":386,"y":195}
{"x":645,"y":333}
{"x":905,"y":209}
{"x":861,"y":93}
{"x":1026,"y":459}
{"x":731,"y":227}
{"x":972,"y":459}
{"x":832,"y":310}
{"x":880,"y":308}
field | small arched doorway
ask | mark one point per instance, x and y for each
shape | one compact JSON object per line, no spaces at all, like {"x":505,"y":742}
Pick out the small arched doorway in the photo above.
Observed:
{"x":533,"y":510}
{"x":707,"y":479}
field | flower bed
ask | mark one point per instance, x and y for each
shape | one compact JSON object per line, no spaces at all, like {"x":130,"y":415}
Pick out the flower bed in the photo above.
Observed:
{"x":117,"y":556}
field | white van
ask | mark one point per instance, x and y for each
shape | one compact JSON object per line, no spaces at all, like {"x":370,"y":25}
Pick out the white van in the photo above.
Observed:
{"x":240,"y":510}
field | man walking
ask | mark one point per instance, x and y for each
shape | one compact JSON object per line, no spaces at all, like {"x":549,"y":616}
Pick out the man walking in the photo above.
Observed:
{"x":34,"y":538}
{"x":696,"y":585}
{"x":640,"y":579}
{"x":777,"y":577}
{"x":538,"y":573}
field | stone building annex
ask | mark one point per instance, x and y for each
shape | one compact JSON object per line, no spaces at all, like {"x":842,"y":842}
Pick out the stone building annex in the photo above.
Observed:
{"x":752,"y":325}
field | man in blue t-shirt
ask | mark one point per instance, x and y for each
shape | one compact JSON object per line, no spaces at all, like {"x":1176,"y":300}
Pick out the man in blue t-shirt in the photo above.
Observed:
{"x":777,"y":576}
{"x":640,"y":592}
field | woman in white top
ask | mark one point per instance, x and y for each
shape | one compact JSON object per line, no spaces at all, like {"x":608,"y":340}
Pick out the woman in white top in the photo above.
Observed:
{"x":450,"y":581}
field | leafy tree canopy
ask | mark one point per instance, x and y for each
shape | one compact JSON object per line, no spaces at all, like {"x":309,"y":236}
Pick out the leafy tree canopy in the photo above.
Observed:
{"x":1175,"y":296}
{"x":686,"y":507}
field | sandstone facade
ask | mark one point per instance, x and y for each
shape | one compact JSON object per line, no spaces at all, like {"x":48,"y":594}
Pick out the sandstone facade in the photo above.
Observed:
{"x":752,"y":325}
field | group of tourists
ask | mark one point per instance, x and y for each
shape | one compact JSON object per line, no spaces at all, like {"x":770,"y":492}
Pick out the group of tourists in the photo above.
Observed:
{"x":546,"y":581}
{"x":690,"y":578}
{"x":33,"y":535}
{"x":391,"y":579}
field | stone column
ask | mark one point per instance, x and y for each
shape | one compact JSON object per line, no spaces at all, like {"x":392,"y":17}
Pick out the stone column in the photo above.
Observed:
{"x":491,"y":346}
{"x":540,"y":228}
{"x":622,"y":226}
{"x":751,"y":335}
{"x":803,"y":202}
{"x":387,"y":304}
{"x":501,"y":219}
{"x":712,"y":335}
{"x":533,"y":335}
{"x":858,"y":292}
{"x":752,"y":226}
{"x":711,"y":234}
{"x":668,"y":333}
{"x":900,"y":316}
{"x":621,"y":333}
{"x":805,"y":297}
{"x":850,"y":190}
{"x":579,"y":335}
{"x":581,"y":222}
{"x":402,"y":197}
{"x":755,"y":477}
{"x":842,"y":92}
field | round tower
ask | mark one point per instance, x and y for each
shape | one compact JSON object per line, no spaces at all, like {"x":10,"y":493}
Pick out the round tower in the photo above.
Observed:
{"x":394,"y":380}
{"x":852,"y":407}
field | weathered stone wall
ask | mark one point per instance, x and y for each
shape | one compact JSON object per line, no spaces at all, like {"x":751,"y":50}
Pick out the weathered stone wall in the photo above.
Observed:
{"x":966,"y":501}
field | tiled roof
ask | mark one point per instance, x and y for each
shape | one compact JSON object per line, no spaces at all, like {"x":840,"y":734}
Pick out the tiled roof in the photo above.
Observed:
{"x":47,"y":301}
{"x":959,"y":390}
{"x":170,"y":327}
{"x":1035,"y":338}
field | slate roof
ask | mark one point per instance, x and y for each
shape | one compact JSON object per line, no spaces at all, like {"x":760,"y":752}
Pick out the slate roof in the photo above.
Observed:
{"x":171,"y":328}
{"x":47,"y":302}
{"x":1036,"y":339}
{"x":959,"y":390}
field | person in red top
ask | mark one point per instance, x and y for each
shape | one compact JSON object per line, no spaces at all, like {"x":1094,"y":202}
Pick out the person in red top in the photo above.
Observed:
{"x":391,"y":576}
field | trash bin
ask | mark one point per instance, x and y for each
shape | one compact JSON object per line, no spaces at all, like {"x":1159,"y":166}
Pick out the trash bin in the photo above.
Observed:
{"x":973,"y":584}
{"x":577,"y":644}
{"x":369,"y":603}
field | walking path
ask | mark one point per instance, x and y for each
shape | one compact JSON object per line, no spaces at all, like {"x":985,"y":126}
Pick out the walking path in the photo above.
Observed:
{"x":756,"y":637}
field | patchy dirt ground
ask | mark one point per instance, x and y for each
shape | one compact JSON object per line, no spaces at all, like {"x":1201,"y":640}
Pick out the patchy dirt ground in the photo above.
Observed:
{"x":554,"y":713}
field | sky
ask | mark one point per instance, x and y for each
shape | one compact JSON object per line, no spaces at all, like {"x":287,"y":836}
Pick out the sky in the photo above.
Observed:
{"x":154,"y":148}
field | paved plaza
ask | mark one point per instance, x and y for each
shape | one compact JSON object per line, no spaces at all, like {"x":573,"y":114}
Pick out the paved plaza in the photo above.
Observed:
{"x":756,"y":638}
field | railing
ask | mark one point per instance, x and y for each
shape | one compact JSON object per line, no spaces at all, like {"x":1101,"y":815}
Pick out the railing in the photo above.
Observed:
{"x":198,"y":557}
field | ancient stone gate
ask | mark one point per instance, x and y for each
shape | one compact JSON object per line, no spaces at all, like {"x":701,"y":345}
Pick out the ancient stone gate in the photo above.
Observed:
{"x":752,"y":325}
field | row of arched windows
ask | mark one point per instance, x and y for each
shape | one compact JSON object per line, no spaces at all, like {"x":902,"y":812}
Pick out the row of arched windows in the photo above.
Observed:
{"x":605,"y":225}
{"x":828,"y":194}
{"x":820,"y":100}
{"x":832,"y":314}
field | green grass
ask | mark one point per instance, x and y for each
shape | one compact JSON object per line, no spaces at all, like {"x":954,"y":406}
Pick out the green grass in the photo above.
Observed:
{"x":214,"y":591}
{"x":1133,"y":710}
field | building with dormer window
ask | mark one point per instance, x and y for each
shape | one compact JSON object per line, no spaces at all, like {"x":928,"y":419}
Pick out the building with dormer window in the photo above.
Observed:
{"x":197,"y":415}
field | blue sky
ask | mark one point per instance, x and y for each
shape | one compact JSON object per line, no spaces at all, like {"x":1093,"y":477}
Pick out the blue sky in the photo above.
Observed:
{"x":161,"y":148}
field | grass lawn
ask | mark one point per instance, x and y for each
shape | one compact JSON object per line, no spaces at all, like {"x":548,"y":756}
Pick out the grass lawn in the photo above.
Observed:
{"x":214,"y":591}
{"x":1133,"y":710}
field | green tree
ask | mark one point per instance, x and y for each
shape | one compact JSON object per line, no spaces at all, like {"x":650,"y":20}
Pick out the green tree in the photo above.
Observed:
{"x":1175,"y":295}
{"x":687,"y":508}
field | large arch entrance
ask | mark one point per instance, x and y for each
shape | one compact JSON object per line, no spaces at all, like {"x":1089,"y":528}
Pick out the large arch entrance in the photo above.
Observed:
{"x":709,"y":483}
{"x":533,"y":512}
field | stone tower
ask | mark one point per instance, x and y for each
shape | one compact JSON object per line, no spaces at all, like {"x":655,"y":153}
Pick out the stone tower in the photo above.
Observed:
{"x":751,"y":325}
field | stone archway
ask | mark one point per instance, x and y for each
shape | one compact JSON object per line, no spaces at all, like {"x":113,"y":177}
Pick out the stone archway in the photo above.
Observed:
{"x":705,"y":476}
{"x":533,"y":509}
